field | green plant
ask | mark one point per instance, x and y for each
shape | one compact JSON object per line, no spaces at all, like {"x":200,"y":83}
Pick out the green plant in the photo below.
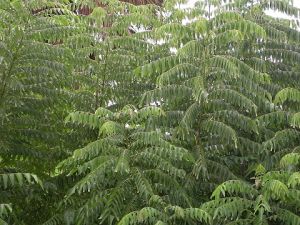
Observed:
{"x":172,"y":122}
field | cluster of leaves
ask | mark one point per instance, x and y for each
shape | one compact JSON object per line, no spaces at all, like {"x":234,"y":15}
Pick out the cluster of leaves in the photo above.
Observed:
{"x":179,"y":124}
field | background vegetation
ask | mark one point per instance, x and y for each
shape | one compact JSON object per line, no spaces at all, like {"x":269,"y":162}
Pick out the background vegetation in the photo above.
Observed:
{"x":141,"y":112}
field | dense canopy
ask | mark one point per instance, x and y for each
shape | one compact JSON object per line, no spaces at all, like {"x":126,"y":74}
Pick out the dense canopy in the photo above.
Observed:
{"x":149,"y":113}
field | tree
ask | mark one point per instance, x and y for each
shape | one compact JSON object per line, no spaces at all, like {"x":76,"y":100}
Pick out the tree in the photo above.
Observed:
{"x":216,"y":97}
{"x":179,"y":124}
{"x":47,"y":73}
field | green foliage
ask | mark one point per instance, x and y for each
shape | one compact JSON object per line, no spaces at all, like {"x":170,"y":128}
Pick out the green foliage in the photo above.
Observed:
{"x":119,"y":112}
